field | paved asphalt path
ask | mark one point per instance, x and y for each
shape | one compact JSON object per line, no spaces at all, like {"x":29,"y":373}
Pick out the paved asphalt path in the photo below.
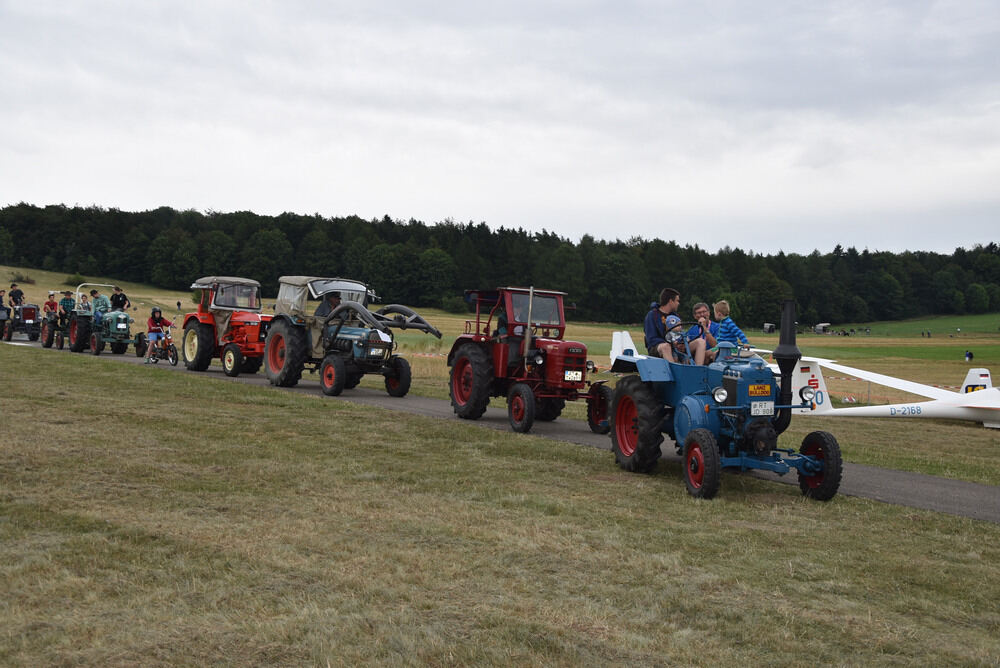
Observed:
{"x":915,"y":490}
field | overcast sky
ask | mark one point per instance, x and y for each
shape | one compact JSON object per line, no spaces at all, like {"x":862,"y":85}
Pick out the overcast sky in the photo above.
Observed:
{"x":761,"y":125}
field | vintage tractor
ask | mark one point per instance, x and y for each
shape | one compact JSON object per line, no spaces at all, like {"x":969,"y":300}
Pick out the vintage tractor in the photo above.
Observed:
{"x":26,"y":319}
{"x":228,"y":324}
{"x":54,"y":330}
{"x":343,"y":341}
{"x":86,"y":330}
{"x":515,"y":349}
{"x":727,"y":414}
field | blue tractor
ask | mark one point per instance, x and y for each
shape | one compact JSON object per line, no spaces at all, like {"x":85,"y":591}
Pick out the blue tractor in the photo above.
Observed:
{"x":727,"y":414}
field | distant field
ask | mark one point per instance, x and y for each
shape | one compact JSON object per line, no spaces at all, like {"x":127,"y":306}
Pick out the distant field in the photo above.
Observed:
{"x":150,"y":517}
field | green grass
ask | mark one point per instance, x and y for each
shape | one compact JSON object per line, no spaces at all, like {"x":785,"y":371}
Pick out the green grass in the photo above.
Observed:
{"x":150,"y":517}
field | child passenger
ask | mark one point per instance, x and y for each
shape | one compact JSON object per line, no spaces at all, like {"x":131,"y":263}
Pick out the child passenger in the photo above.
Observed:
{"x":728,"y":331}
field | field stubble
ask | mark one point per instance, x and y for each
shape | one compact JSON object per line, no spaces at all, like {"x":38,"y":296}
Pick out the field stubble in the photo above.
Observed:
{"x":150,"y":517}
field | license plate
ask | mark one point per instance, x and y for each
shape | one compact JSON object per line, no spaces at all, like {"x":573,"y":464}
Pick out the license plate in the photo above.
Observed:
{"x":761,"y":408}
{"x":760,"y":390}
{"x":29,"y":322}
{"x":573,"y":376}
{"x":122,"y":325}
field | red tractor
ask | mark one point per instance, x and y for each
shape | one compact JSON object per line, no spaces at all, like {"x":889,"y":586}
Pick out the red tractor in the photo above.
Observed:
{"x":515,"y":349}
{"x":228,"y":324}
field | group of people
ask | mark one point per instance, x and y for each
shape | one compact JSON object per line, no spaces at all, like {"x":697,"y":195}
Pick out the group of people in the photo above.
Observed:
{"x":702,"y":339}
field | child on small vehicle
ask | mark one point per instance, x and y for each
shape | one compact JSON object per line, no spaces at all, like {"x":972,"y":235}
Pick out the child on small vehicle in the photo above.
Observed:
{"x":728,"y":331}
{"x":154,"y":332}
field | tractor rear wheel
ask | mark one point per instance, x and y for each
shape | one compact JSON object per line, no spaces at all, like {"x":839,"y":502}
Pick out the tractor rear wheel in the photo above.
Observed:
{"x":8,"y":333}
{"x":140,"y":344}
{"x":702,"y":467}
{"x":232,"y":360}
{"x":251,"y":365}
{"x":79,"y":334}
{"x":60,"y":340}
{"x":96,"y":343}
{"x":332,"y":375}
{"x":48,"y":334}
{"x":635,"y":419}
{"x":469,"y":386}
{"x":549,"y":409}
{"x":598,"y":408}
{"x":521,"y":407}
{"x":822,"y":486}
{"x":284,"y":354}
{"x":197,"y":346}
{"x":397,"y":381}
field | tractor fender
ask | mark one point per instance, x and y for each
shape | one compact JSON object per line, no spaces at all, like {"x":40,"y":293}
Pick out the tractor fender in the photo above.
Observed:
{"x":462,"y":340}
{"x":690,"y":414}
{"x":653,"y":369}
{"x":203,"y":318}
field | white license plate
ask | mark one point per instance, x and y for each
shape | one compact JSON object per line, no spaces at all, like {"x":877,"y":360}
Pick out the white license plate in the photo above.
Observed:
{"x":761,"y":408}
{"x":122,"y":325}
{"x":574,"y":376}
{"x":29,"y":322}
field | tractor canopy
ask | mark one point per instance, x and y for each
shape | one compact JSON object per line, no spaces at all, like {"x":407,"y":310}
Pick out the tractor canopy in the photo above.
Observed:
{"x":230,"y":293}
{"x":500,"y":308}
{"x":295,"y":291}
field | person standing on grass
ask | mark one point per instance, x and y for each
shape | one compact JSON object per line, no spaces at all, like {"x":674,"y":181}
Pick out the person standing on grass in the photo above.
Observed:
{"x":728,"y":331}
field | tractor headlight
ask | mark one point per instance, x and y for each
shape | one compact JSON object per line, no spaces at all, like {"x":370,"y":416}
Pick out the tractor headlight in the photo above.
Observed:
{"x":807,"y":394}
{"x":720,"y":395}
{"x":539,"y":360}
{"x":591,"y":366}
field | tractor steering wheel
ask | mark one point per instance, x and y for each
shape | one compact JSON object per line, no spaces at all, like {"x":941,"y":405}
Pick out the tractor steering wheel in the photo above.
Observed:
{"x":683,"y":334}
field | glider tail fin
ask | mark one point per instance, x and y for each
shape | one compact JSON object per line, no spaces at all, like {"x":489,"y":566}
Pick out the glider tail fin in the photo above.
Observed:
{"x":977,"y":379}
{"x":808,"y":373}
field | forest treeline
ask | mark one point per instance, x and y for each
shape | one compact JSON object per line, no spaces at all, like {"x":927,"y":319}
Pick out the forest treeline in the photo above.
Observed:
{"x":430,"y":265}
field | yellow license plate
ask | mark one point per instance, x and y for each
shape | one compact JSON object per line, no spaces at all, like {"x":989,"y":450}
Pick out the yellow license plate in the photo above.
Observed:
{"x":760,"y":390}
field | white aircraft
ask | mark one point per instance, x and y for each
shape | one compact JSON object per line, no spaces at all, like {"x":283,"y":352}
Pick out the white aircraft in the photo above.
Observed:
{"x":977,"y":401}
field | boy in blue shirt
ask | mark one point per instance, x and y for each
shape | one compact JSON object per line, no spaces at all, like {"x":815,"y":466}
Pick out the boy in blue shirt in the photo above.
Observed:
{"x":728,"y":331}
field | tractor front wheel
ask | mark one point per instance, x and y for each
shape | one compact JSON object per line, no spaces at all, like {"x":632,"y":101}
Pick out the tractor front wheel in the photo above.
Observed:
{"x":197,"y":346}
{"x":397,"y":381}
{"x":332,"y":375}
{"x":232,"y":360}
{"x":702,"y":465}
{"x":636,"y":416}
{"x":521,"y":407}
{"x":284,"y":354}
{"x":140,"y":344}
{"x":598,"y":408}
{"x":824,"y":484}
{"x":469,"y":386}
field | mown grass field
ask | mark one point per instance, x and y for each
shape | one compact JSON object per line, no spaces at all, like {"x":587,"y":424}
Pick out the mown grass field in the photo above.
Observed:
{"x":150,"y":517}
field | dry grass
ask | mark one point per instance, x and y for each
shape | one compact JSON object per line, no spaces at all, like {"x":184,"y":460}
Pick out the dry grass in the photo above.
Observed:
{"x":158,"y":518}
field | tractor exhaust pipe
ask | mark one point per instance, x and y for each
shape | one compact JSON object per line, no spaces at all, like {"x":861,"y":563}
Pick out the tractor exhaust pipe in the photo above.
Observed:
{"x":787,"y":355}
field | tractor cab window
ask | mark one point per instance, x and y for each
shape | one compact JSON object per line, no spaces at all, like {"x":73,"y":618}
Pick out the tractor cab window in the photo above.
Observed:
{"x":236,"y":296}
{"x":544,"y":309}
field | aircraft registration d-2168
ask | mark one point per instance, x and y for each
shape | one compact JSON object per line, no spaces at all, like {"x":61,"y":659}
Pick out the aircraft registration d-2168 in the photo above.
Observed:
{"x":977,"y":401}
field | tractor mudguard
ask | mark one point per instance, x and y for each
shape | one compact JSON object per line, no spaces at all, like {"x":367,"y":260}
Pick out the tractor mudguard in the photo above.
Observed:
{"x":690,"y":414}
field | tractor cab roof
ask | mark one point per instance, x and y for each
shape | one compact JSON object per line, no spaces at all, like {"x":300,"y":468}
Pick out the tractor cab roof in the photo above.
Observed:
{"x":207,"y":282}
{"x":492,"y":295}
{"x":294,"y":291}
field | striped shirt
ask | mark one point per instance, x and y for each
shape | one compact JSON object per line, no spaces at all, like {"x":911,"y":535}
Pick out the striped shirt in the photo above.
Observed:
{"x":728,"y":331}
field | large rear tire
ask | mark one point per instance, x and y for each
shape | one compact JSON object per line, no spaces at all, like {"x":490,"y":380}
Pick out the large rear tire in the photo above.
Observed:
{"x":397,"y":382}
{"x":96,"y":343}
{"x":332,"y":375}
{"x":48,"y":334}
{"x":60,"y":340}
{"x":635,"y":422}
{"x":599,"y":408}
{"x":702,"y":466}
{"x":140,"y":344}
{"x":521,"y":407}
{"x":284,"y":354}
{"x":8,"y":333}
{"x":79,"y":334}
{"x":822,"y":486}
{"x":547,"y":410}
{"x":197,"y":346}
{"x":469,"y":386}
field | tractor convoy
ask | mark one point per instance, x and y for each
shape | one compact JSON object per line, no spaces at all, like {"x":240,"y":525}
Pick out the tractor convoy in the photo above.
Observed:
{"x":727,"y":414}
